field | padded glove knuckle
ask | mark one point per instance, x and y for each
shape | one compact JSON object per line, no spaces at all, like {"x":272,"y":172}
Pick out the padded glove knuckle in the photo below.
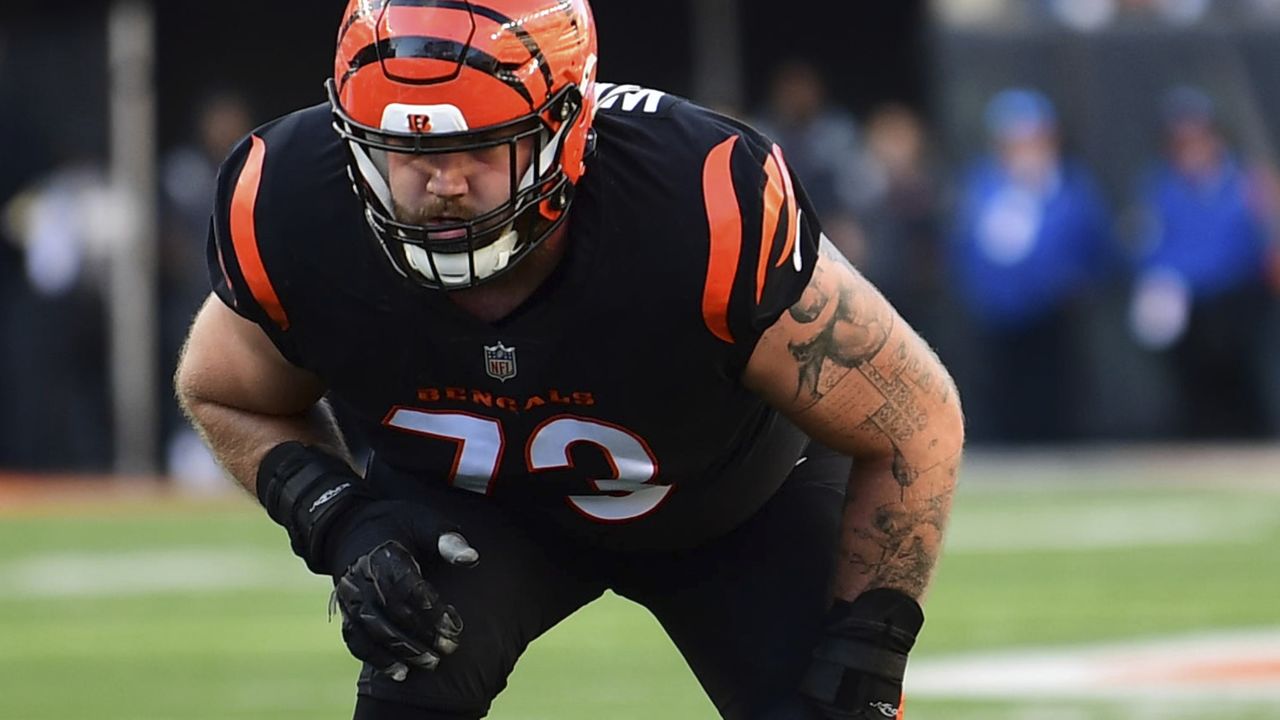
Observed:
{"x":391,"y":613}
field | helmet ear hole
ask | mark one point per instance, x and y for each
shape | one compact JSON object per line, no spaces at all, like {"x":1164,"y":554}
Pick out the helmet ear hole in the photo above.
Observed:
{"x":570,"y":104}
{"x":560,"y":201}
{"x":554,"y":206}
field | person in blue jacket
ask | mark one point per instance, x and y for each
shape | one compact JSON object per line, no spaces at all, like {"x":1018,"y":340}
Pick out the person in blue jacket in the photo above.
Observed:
{"x":1200,"y":292}
{"x":1032,"y":235}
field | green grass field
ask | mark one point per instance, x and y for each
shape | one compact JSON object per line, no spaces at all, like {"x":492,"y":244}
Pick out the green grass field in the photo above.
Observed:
{"x":219,"y":621}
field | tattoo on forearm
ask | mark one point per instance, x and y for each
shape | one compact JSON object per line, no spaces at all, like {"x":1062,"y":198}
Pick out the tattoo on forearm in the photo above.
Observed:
{"x":844,"y":332}
{"x":901,"y":546}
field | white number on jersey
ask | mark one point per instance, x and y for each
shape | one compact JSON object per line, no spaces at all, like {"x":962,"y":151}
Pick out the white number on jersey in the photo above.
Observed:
{"x":481,"y":442}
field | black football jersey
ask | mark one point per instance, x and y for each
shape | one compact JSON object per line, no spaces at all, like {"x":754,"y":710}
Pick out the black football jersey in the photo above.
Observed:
{"x":610,"y":402}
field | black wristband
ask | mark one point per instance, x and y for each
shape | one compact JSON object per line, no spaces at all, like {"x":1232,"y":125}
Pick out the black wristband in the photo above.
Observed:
{"x":307,"y":490}
{"x":883,"y":617}
{"x":869,"y":637}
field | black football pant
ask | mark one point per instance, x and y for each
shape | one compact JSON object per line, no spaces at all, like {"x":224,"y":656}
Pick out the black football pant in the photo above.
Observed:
{"x":744,"y":609}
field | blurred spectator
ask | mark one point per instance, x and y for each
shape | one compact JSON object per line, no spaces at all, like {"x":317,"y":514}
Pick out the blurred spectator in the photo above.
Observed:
{"x":22,"y":159}
{"x":189,"y":175}
{"x":1101,"y":15}
{"x":1201,"y":291}
{"x":978,"y":12}
{"x":188,"y":180}
{"x":823,"y":148}
{"x":1090,"y":15}
{"x":1032,"y":236}
{"x":904,"y":226}
{"x":64,"y":224}
{"x":1083,"y":14}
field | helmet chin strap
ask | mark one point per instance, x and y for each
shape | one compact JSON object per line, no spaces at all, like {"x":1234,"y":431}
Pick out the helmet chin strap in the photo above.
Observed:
{"x":455,"y":268}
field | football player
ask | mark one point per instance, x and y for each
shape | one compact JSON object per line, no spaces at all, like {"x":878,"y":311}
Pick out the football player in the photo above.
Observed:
{"x":596,"y":341}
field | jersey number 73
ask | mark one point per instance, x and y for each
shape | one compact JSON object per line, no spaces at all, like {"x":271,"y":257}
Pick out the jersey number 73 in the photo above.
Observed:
{"x":481,"y":442}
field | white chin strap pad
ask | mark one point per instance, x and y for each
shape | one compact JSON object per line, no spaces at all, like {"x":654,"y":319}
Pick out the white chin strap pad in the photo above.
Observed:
{"x":455,"y":268}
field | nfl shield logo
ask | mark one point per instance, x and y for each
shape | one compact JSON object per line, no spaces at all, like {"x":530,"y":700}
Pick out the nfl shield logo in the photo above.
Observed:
{"x":500,"y":361}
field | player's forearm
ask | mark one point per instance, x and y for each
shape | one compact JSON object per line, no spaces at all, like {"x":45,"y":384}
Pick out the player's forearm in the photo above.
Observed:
{"x":907,"y":450}
{"x":893,"y":526}
{"x":845,"y":367}
{"x":240,"y":438}
{"x":884,"y":398}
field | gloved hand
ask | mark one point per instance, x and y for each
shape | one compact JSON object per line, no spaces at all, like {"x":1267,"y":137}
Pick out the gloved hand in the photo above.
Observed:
{"x":375,"y":550}
{"x":858,"y":665}
{"x":392,"y":617}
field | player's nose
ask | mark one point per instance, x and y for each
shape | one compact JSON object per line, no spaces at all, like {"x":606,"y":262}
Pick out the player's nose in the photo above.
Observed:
{"x":447,"y":176}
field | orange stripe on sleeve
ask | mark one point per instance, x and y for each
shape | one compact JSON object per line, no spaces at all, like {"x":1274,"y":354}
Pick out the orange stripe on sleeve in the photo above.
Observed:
{"x":725,"y":219}
{"x":244,"y":235}
{"x":793,"y":229}
{"x":775,"y":195}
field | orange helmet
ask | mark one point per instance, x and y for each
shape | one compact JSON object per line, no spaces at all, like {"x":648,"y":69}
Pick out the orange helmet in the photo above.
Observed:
{"x":427,"y":77}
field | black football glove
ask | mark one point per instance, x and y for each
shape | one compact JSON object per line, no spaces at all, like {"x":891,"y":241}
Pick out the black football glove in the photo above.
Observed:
{"x":392,"y":618}
{"x":858,"y":665}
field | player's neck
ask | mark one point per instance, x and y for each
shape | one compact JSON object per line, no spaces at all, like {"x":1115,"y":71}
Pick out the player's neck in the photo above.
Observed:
{"x":500,"y":297}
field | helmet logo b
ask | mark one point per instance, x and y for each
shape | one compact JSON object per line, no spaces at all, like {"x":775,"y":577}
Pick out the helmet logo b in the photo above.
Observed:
{"x":420,"y":124}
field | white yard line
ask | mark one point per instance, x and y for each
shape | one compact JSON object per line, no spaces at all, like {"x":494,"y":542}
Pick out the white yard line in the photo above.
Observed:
{"x":145,"y":572}
{"x":1241,"y":666}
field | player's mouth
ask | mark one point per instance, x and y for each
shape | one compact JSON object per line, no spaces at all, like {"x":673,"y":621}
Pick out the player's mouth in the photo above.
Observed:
{"x":449,"y":228}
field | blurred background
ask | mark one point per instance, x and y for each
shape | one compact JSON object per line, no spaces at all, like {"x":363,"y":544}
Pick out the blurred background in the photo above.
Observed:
{"x":1077,"y":202}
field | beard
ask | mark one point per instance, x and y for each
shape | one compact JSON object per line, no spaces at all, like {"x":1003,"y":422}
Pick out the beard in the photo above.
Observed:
{"x":433,"y":213}
{"x":450,"y":227}
{"x":436,"y":214}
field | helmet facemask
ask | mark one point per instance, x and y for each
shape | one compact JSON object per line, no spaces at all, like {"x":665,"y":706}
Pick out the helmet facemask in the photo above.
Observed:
{"x":469,"y":251}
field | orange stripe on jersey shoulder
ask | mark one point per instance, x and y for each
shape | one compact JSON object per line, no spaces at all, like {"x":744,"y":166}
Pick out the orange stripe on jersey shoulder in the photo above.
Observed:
{"x":244,"y":235}
{"x":793,"y":210}
{"x":725,"y":219}
{"x":775,"y":196}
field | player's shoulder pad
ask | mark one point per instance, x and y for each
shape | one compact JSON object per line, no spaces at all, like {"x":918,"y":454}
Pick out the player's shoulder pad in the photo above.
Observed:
{"x":268,"y":190}
{"x":763,"y":232}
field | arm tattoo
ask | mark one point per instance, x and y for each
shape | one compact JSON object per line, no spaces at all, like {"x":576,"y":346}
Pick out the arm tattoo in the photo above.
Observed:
{"x":894,"y":551}
{"x":844,"y":329}
{"x":844,"y":332}
{"x":849,"y":327}
{"x":903,"y":473}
